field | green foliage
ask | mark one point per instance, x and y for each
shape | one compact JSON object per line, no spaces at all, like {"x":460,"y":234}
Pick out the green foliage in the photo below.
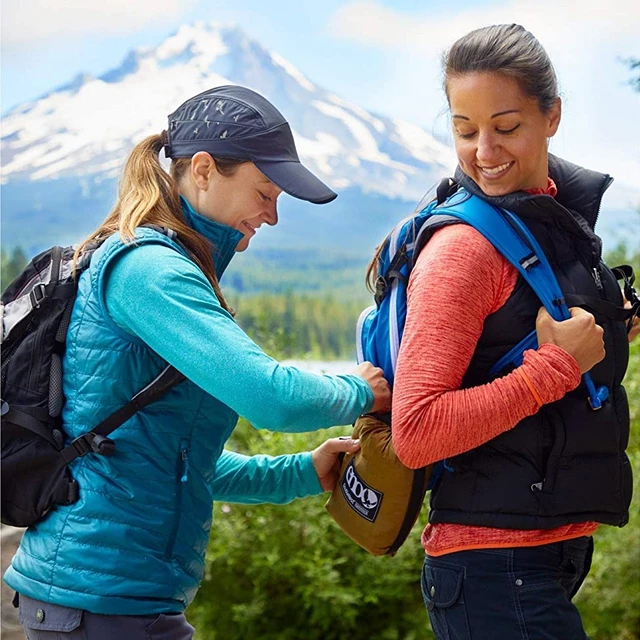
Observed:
{"x":300,"y":325}
{"x":315,"y":272}
{"x":288,"y":572}
{"x":634,"y":67}
{"x":12,"y":263}
{"x":609,"y":601}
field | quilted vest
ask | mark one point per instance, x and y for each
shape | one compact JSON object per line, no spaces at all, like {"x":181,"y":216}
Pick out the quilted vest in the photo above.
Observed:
{"x":134,"y":543}
{"x":567,"y":463}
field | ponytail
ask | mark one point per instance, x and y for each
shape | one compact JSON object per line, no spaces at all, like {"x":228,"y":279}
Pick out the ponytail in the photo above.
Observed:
{"x":149,"y":195}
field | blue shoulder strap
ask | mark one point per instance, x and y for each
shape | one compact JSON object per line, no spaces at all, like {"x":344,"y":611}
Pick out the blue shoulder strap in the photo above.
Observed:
{"x":509,"y":235}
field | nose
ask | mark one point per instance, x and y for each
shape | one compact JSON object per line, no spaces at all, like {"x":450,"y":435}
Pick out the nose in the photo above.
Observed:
{"x":272,"y":214}
{"x":488,"y":147}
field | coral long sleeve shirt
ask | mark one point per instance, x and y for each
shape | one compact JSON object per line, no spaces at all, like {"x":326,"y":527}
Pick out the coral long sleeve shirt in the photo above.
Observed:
{"x":432,"y":417}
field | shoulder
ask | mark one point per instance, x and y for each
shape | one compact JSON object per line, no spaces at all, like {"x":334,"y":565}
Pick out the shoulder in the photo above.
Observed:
{"x":151,"y":265}
{"x":460,"y":246}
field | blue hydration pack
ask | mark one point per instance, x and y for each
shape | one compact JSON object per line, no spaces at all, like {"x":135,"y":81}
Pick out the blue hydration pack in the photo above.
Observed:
{"x":380,"y":327}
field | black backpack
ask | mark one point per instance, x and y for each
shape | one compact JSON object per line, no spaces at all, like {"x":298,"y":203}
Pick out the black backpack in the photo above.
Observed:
{"x":35,"y":310}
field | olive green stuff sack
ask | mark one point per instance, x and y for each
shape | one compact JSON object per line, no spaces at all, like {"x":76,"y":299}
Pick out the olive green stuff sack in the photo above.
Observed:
{"x":377,"y":500}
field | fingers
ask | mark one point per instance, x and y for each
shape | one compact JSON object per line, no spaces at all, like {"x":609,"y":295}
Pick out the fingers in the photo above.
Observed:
{"x":344,"y":444}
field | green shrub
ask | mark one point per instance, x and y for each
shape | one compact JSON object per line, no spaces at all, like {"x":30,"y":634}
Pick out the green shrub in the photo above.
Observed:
{"x":288,"y":572}
{"x":609,"y":601}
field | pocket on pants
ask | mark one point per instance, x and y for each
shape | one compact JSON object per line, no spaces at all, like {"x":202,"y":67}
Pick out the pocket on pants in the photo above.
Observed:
{"x":443,"y":593}
{"x":38,"y":618}
{"x":169,"y":626}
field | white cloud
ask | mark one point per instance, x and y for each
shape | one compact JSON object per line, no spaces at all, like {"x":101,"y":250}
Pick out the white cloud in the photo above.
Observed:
{"x":32,"y":22}
{"x":584,"y":39}
{"x":575,"y":23}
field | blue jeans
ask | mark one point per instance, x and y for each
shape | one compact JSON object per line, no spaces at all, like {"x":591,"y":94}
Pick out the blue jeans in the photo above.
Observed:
{"x":522,"y":593}
{"x":45,"y":621}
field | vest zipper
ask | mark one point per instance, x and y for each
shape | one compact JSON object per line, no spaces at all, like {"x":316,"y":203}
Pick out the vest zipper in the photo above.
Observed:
{"x":596,"y":276}
{"x":182,"y":477}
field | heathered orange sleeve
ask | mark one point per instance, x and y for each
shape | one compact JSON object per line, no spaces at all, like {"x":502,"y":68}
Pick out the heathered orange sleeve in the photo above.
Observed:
{"x":458,"y":280}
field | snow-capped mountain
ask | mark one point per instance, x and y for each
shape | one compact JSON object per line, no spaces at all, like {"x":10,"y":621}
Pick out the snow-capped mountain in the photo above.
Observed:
{"x":62,"y":153}
{"x":87,"y":126}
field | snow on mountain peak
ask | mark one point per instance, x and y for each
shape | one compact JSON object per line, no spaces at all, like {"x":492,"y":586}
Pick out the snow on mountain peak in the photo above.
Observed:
{"x":87,"y":126}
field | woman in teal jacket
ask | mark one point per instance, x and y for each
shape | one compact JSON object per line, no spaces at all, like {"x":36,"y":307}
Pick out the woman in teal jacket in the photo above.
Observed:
{"x":126,"y":559}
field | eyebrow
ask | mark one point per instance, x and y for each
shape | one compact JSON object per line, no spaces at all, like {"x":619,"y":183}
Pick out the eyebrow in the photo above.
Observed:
{"x":495,"y":115}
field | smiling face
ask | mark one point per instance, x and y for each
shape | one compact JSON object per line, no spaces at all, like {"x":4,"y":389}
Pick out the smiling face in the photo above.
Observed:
{"x":245,"y":200}
{"x":500,"y":133}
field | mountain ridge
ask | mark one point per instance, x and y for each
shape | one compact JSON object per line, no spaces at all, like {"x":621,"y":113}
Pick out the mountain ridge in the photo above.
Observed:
{"x":62,"y":153}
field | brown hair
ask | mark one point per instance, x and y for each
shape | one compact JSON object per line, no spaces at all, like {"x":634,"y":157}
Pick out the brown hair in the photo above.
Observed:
{"x":508,"y":49}
{"x":149,"y":195}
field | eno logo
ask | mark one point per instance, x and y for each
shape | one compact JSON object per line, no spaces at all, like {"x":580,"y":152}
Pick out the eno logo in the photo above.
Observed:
{"x":362,"y":498}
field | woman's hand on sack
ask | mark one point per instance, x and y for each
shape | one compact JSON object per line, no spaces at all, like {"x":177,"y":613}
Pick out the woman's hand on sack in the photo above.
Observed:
{"x":579,"y":336}
{"x":374,"y":376}
{"x":326,"y":462}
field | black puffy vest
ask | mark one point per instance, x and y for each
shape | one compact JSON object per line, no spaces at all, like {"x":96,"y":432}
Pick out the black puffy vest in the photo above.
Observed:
{"x":567,"y":463}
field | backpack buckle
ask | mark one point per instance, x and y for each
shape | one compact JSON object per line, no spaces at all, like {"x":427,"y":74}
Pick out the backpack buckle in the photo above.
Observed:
{"x":88,"y":443}
{"x":101,"y":445}
{"x":37,"y":295}
{"x":381,"y":289}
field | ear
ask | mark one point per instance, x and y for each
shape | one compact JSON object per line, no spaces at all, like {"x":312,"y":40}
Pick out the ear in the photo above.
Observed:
{"x":202,"y":168}
{"x":554,"y":115}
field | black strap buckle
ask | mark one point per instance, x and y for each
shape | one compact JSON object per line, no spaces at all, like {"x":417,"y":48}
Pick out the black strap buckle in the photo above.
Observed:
{"x":92,"y":442}
{"x":101,"y":445}
{"x":37,"y":295}
{"x":382,"y":287}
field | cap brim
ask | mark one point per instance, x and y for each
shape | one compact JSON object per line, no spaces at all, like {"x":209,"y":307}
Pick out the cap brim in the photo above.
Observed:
{"x":296,"y":180}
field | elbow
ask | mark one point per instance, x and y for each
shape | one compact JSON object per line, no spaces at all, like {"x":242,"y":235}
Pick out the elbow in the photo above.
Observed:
{"x":406,"y":450}
{"x":278,"y":418}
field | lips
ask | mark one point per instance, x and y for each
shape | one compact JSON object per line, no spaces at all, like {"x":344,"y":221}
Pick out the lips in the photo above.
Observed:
{"x":492,"y":173}
{"x":248,"y":226}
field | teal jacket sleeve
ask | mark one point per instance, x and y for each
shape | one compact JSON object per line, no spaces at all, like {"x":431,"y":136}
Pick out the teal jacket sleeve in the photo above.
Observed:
{"x":259,"y":479}
{"x":159,"y":295}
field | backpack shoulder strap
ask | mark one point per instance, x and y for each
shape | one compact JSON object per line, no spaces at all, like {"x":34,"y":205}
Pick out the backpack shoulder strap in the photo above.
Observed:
{"x":97,"y":440}
{"x":509,"y":235}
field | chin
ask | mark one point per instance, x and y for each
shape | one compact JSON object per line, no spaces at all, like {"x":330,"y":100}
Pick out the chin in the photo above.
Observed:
{"x":495,"y":190}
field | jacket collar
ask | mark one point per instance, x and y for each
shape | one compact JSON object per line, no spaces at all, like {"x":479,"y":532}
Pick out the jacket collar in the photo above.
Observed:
{"x":223,"y":239}
{"x":580,"y":192}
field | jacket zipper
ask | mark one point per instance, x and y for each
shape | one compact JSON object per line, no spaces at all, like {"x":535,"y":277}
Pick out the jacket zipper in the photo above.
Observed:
{"x":597,"y":278}
{"x":182,"y":477}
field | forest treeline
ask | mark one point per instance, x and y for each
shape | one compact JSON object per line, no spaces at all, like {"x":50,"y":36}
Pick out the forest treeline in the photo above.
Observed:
{"x":316,"y":325}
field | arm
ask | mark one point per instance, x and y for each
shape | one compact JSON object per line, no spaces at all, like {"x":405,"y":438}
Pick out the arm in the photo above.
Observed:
{"x":259,"y":479}
{"x":160,"y":296}
{"x":432,"y":417}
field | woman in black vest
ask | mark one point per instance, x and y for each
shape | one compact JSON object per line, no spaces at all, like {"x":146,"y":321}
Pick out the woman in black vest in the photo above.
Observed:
{"x":532,"y":469}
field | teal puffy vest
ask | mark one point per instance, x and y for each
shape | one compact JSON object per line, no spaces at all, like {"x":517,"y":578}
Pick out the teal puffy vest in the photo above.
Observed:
{"x":135,"y":542}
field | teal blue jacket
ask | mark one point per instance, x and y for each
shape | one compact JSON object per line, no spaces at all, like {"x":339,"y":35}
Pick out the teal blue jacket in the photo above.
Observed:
{"x":135,"y":541}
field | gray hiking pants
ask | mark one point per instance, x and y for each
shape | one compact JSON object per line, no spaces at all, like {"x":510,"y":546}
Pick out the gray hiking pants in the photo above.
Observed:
{"x":45,"y":621}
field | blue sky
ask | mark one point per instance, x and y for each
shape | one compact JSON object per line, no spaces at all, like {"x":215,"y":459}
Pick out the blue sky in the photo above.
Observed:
{"x":383,"y":56}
